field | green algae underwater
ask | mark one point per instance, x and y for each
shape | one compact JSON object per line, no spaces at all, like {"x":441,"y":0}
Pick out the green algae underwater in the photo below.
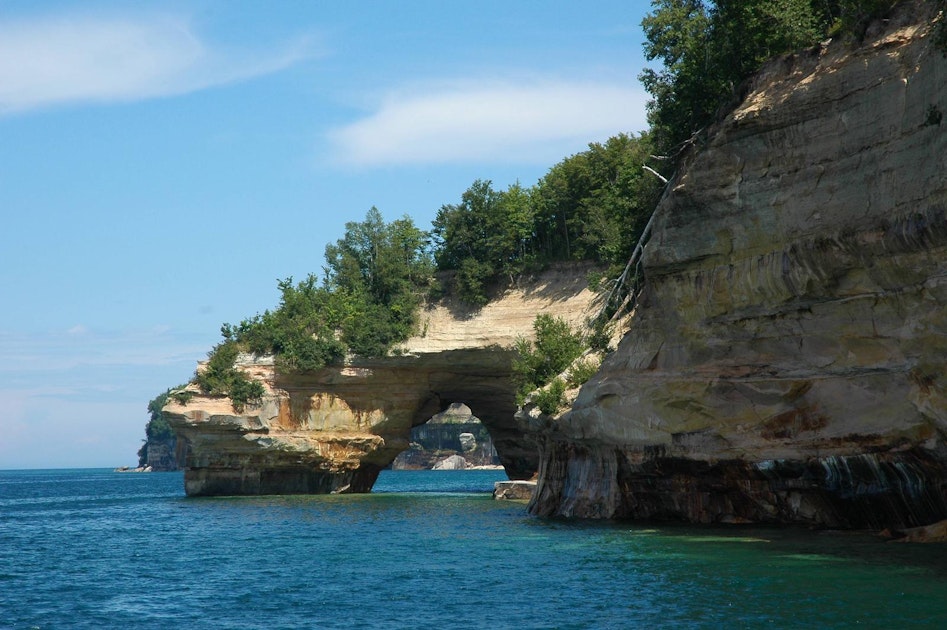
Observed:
{"x":98,"y":549}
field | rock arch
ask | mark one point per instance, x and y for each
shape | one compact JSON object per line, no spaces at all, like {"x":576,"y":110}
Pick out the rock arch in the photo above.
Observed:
{"x":335,"y":429}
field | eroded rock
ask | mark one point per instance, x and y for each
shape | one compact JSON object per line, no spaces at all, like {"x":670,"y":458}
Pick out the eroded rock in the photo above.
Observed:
{"x":451,"y":462}
{"x":518,"y":490}
{"x":786,"y":359}
{"x":334,"y":429}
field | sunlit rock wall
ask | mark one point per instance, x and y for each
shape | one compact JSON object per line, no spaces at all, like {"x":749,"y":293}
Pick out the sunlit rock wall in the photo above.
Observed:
{"x":786,"y":361}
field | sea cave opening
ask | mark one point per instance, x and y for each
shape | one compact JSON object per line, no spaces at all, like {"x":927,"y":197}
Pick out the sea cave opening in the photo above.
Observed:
{"x":453,"y":439}
{"x":463,"y":429}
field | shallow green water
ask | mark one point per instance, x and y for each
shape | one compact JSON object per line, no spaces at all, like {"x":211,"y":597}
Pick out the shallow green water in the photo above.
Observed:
{"x":95,"y":549}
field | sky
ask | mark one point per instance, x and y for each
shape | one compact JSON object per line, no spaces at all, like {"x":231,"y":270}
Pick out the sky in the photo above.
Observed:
{"x":163,"y":165}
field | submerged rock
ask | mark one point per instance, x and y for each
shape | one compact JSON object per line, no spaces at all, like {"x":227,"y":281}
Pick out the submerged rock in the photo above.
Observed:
{"x":785,"y":362}
{"x":935,"y":532}
{"x":518,"y":490}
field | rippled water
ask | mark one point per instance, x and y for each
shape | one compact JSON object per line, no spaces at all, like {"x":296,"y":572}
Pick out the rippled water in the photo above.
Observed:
{"x":97,"y":549}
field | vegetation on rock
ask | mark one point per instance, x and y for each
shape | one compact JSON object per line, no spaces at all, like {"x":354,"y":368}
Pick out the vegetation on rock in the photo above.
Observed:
{"x":540,"y":362}
{"x":158,"y":427}
{"x":590,"y":206}
{"x":157,"y":430}
{"x":219,"y":377}
{"x":552,"y":397}
{"x":708,"y":49}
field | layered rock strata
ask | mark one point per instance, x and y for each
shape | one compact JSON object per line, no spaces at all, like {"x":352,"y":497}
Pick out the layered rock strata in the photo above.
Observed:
{"x":786,"y":360}
{"x":334,"y":429}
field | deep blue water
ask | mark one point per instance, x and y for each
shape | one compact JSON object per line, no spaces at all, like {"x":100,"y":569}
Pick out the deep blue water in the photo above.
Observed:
{"x":97,"y":549}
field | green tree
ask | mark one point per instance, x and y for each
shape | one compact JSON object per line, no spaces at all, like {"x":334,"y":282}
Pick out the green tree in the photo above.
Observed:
{"x":469,"y":238}
{"x":540,"y":361}
{"x":686,"y":90}
{"x":374,"y":279}
{"x":593,"y":205}
{"x":158,"y":427}
{"x":707,"y":49}
{"x":380,"y":272}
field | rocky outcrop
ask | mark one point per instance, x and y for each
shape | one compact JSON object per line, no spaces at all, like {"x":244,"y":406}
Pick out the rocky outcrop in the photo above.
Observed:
{"x":159,"y":454}
{"x":334,"y":429}
{"x":785,"y":362}
{"x":452,"y":462}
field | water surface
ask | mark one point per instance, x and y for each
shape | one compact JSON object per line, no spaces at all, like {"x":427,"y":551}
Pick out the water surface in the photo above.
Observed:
{"x":97,"y":549}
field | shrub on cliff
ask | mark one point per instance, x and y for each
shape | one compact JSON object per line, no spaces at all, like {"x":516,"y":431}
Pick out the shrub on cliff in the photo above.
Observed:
{"x":540,"y":361}
{"x":552,"y":397}
{"x":220,"y":378}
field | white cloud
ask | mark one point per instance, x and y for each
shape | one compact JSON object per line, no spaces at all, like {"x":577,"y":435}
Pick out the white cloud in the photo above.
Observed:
{"x":81,"y":349}
{"x":499,"y":122}
{"x":55,"y":60}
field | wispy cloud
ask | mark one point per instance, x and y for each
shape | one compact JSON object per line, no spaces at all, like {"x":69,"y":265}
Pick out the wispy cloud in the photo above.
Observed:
{"x":80,"y":349}
{"x":502,"y":122}
{"x":74,"y":59}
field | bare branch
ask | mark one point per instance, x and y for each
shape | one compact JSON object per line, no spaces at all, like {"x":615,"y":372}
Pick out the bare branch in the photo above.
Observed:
{"x":663,"y":179}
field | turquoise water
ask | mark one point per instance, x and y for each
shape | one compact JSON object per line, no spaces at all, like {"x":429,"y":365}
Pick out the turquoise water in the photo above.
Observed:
{"x":97,"y":549}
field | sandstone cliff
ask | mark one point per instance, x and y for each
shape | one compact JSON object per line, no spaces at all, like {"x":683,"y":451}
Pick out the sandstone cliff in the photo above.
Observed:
{"x":786,"y":358}
{"x":333,"y":430}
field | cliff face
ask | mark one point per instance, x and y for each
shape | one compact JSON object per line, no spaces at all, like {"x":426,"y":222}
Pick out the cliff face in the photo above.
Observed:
{"x":333,"y":430}
{"x":786,"y":358}
{"x":158,"y":454}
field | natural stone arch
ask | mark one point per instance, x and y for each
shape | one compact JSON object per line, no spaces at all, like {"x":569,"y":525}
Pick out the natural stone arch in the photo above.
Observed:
{"x":335,"y":429}
{"x":491,"y":398}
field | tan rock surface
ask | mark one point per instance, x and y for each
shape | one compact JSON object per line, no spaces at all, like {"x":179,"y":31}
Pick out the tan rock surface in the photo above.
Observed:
{"x":333,"y":430}
{"x":786,"y":361}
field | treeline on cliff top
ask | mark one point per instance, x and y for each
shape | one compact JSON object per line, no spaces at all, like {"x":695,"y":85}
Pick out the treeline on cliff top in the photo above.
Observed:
{"x":709,"y":49}
{"x":591,"y":206}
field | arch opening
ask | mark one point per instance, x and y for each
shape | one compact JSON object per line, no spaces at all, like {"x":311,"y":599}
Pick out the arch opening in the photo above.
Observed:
{"x":453,"y":439}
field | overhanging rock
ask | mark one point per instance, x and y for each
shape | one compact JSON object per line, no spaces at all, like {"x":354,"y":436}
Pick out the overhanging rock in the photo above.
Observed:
{"x":335,"y":429}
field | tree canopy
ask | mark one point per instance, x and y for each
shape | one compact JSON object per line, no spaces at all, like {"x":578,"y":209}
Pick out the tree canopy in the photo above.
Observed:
{"x":707,"y":49}
{"x":590,"y":206}
{"x":367,"y":300}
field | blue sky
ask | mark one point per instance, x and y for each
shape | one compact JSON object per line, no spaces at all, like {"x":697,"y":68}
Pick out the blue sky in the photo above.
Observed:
{"x":163,"y":164}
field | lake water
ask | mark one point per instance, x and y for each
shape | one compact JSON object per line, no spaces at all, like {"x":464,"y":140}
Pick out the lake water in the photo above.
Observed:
{"x":97,"y":549}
